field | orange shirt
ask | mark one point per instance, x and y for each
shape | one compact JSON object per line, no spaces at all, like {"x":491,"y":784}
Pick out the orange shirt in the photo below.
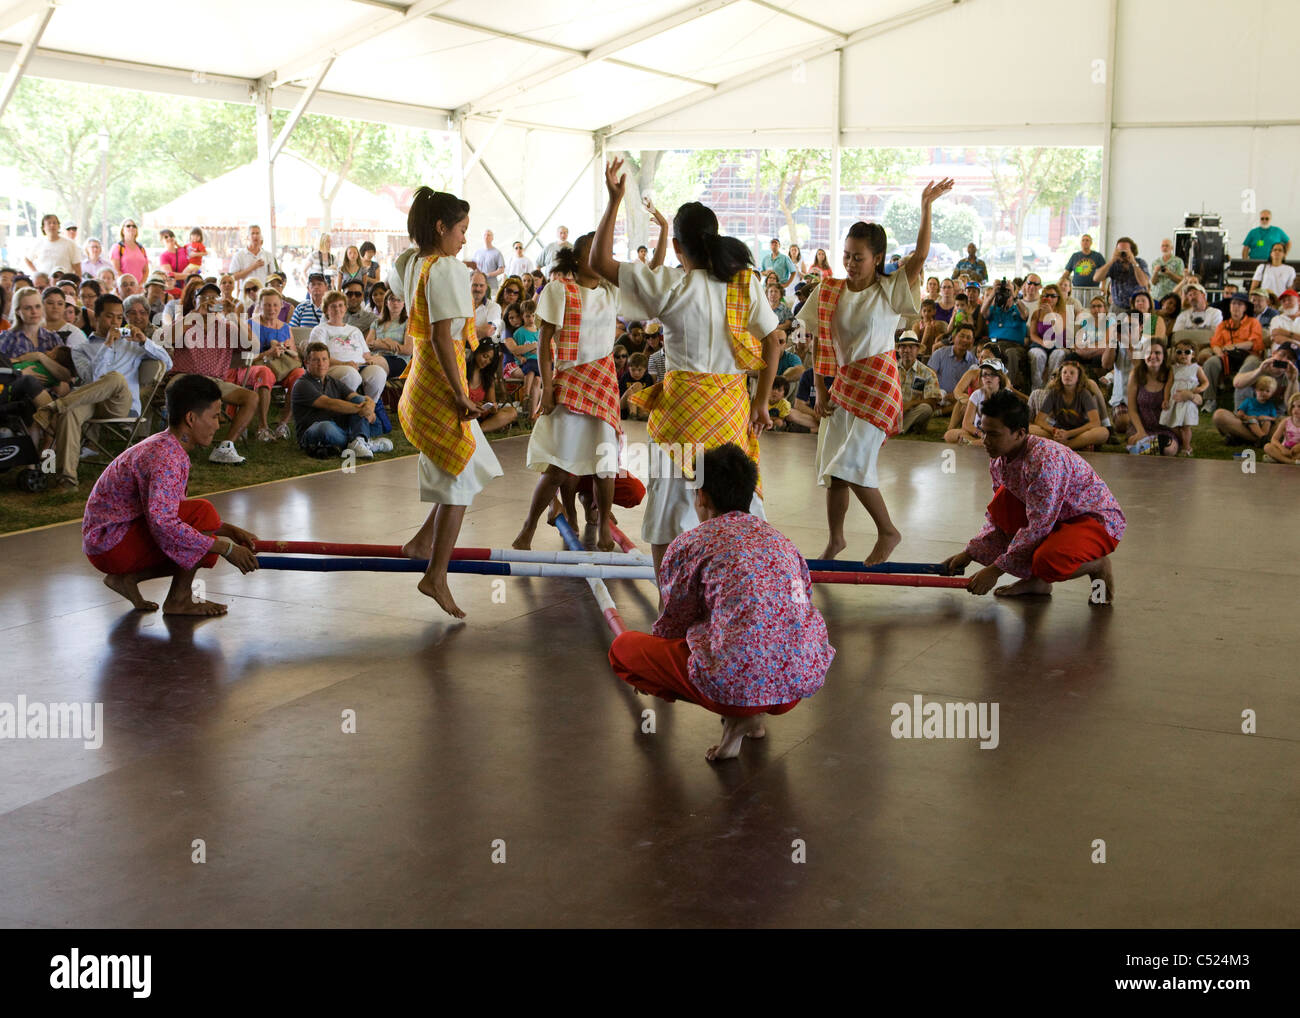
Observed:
{"x":1229,"y":334}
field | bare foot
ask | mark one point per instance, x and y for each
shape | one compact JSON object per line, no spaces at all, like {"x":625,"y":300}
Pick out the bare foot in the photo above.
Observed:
{"x":129,"y":588}
{"x":441,"y":593}
{"x":886,"y":542}
{"x":589,"y":535}
{"x":833,"y":547}
{"x":606,"y":539}
{"x":1107,"y":576}
{"x":188,"y":606}
{"x":1033,"y":585}
{"x":417,"y":549}
{"x":524,"y":539}
{"x":734,"y":731}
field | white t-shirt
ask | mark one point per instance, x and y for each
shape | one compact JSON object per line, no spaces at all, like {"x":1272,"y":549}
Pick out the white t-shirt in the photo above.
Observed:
{"x":693,"y":309}
{"x":1284,"y":323}
{"x":244,"y":258}
{"x":1275,"y":277}
{"x":520,"y":266}
{"x":1210,"y":318}
{"x":599,"y":319}
{"x":50,"y":256}
{"x":864,"y":322}
{"x":345,"y":341}
{"x":447,"y":290}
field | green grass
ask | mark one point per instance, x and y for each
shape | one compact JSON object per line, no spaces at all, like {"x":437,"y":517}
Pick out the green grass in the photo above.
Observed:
{"x":270,"y":461}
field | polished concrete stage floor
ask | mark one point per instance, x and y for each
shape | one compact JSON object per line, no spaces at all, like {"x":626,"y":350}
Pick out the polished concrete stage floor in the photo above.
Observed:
{"x":1121,"y":726}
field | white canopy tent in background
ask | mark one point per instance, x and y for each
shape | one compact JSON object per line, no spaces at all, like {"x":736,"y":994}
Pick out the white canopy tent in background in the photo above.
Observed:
{"x":1182,"y":95}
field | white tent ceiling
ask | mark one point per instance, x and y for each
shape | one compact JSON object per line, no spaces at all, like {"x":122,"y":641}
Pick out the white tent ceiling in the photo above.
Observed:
{"x":1149,"y":80}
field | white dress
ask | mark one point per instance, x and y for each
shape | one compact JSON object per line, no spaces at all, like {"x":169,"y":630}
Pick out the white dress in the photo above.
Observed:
{"x":578,"y":443}
{"x":692,"y":306}
{"x":1186,"y":413}
{"x":448,"y":293}
{"x":863,"y":326}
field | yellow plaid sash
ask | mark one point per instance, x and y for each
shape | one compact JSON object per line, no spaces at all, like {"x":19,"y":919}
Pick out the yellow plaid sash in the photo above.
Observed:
{"x":691,"y":408}
{"x":748,"y":350}
{"x":427,"y":409}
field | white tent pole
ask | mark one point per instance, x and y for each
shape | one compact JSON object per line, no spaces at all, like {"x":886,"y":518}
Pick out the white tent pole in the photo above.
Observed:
{"x":483,"y":145}
{"x":1108,"y":128}
{"x":458,"y":162}
{"x":303,"y":102}
{"x":267,"y":159}
{"x":19,"y":67}
{"x":837,"y":127}
{"x":482,"y":165}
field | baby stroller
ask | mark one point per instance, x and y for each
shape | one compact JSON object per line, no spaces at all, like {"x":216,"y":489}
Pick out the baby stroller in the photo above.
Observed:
{"x":17,"y":451}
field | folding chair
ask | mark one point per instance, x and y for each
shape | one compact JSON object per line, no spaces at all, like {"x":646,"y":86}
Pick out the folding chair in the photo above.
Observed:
{"x":101,"y":431}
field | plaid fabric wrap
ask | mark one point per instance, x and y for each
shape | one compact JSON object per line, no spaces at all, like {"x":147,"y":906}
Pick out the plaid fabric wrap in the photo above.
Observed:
{"x":747,"y":350}
{"x":691,"y":408}
{"x":870,"y":389}
{"x":828,"y":296}
{"x":590,"y":388}
{"x":427,"y":409}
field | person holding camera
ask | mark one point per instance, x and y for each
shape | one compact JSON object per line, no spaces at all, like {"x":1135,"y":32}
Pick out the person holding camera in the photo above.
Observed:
{"x":1281,"y":365}
{"x":1007,"y":326}
{"x":1128,"y":274}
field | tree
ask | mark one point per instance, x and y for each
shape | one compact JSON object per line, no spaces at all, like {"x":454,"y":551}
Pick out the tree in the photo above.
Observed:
{"x":1029,"y":178}
{"x":640,"y":170}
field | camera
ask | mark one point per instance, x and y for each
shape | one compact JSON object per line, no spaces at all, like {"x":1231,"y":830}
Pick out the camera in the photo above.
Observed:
{"x":124,"y":332}
{"x":1002,"y":294}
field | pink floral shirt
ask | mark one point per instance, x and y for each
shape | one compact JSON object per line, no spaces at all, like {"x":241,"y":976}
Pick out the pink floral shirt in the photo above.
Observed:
{"x":1055,"y":484}
{"x":148,"y":480}
{"x":739,"y":592}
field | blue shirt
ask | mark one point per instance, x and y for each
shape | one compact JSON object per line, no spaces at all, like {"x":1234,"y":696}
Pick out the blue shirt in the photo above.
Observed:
{"x":780,"y":264}
{"x":1124,"y":282}
{"x":94,"y":359}
{"x":789,"y":359}
{"x":1259,"y":241}
{"x":946,"y":366}
{"x":306,"y":315}
{"x":1006,"y":324}
{"x":266,"y":336}
{"x":1252,"y":407}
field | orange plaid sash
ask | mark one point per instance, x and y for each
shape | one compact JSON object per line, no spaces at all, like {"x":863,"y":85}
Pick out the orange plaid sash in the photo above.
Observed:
{"x":427,"y":410}
{"x":870,"y":389}
{"x":691,"y":408}
{"x":747,"y":350}
{"x":828,"y":296}
{"x":590,"y":388}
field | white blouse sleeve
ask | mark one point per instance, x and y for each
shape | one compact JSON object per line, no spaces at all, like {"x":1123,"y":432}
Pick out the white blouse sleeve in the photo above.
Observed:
{"x":808,"y":313}
{"x":904,"y":297}
{"x":643,"y":291}
{"x":550,"y":306}
{"x":448,"y":291}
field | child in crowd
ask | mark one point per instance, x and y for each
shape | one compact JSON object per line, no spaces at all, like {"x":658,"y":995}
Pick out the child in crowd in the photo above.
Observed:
{"x":784,"y":416}
{"x":1187,"y":376}
{"x":1285,"y":444}
{"x":738,"y":634}
{"x":521,"y":341}
{"x":1257,"y":411}
{"x":195,"y":252}
{"x":633,"y":381}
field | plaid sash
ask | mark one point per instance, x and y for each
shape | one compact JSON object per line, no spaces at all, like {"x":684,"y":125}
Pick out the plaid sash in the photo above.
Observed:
{"x":689,"y":408}
{"x":427,"y":410}
{"x":828,"y":296}
{"x":870,"y":389}
{"x":590,"y":388}
{"x":747,"y":350}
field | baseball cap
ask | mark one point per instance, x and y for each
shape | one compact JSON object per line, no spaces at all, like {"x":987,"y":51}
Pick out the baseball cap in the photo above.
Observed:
{"x":316,"y":277}
{"x":1240,"y":295}
{"x":995,"y":364}
{"x":1289,"y":293}
{"x":1263,"y":291}
{"x":1195,"y":286}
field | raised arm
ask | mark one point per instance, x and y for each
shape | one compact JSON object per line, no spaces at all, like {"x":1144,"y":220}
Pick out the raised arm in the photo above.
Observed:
{"x":661,"y":247}
{"x":915,"y":263}
{"x":600,"y":256}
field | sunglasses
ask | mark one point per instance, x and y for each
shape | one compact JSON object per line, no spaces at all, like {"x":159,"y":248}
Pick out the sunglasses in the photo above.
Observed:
{"x":130,"y":226}
{"x":353,"y":293}
{"x":620,"y":356}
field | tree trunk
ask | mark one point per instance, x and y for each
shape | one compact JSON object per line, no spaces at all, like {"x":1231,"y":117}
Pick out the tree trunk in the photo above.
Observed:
{"x":638,"y":183}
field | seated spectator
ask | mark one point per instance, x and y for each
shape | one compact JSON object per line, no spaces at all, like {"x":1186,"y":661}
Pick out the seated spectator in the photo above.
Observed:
{"x":127,"y":285}
{"x":483,"y":384}
{"x":388,"y":336}
{"x":54,"y":307}
{"x":55,"y":371}
{"x":1281,"y":366}
{"x":1146,"y":399}
{"x":154,"y":361}
{"x":1070,"y":414}
{"x":377,"y":297}
{"x":632,"y":381}
{"x":310,"y":313}
{"x":275,"y":350}
{"x":140,"y":526}
{"x":351,"y":361}
{"x":1257,"y":411}
{"x":1274,"y":274}
{"x":1046,"y":334}
{"x":1196,"y":313}
{"x":29,"y":334}
{"x":206,"y":342}
{"x":328,"y":414}
{"x":510,"y":292}
{"x":155,"y":295}
{"x":487,"y":312}
{"x":946,"y":305}
{"x":1224,"y":303}
{"x":1234,"y":340}
{"x":731,"y":637}
{"x":1284,"y":446}
{"x":1286,"y":324}
{"x":992,"y":378}
{"x":921,"y":392}
{"x":784,"y":416}
{"x":790,"y":365}
{"x":776,"y":299}
{"x":950,"y":363}
{"x":354,"y":293}
{"x":521,"y":343}
{"x":1171,"y":306}
{"x":928,"y":328}
{"x":1261,"y":308}
{"x":228,"y":301}
{"x":1007,"y":319}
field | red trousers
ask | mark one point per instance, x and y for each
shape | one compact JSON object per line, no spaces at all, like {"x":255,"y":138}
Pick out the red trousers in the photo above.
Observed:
{"x":137,"y":552}
{"x":1071,"y":543}
{"x":628,"y":491}
{"x":658,"y":666}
